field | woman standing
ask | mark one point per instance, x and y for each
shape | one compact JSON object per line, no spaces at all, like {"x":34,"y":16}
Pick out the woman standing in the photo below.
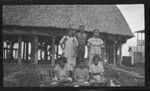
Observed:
{"x":95,"y":45}
{"x":69,"y":45}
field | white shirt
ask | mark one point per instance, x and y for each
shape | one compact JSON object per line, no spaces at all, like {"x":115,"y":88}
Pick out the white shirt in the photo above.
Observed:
{"x":95,"y":45}
{"x":69,"y":45}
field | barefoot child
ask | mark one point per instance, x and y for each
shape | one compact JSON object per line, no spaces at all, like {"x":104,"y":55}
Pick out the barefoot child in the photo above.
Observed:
{"x":81,"y":75}
{"x":96,"y":70}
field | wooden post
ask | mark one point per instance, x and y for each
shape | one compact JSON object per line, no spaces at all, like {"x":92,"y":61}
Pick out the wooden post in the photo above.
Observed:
{"x":114,"y":54}
{"x":53,"y":52}
{"x":108,"y":51}
{"x":7,"y":51}
{"x":57,"y":50}
{"x":141,"y":42}
{"x":35,"y":48}
{"x":23,"y":50}
{"x":120,"y":53}
{"x":27,"y":45}
{"x":32,"y":52}
{"x":137,"y":41}
{"x":11,"y":51}
{"x":19,"y":50}
{"x":45,"y":52}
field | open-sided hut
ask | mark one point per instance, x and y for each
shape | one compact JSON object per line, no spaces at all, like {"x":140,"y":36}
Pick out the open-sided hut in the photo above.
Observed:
{"x":46,"y":24}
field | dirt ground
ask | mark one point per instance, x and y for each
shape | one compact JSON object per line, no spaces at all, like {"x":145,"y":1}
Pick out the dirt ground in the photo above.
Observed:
{"x":9,"y":69}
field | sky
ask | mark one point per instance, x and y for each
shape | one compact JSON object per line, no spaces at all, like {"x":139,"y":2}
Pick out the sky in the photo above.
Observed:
{"x":134,"y":15}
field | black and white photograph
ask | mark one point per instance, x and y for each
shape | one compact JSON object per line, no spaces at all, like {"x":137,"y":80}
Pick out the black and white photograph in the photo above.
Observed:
{"x":73,"y":45}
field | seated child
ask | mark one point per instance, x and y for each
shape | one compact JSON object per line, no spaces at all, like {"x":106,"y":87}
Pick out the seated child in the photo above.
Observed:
{"x":61,"y":71}
{"x":96,"y":70}
{"x":81,"y":75}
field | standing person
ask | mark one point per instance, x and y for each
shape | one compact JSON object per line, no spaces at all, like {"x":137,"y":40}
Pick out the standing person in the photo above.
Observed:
{"x":81,"y":37}
{"x":69,"y":45}
{"x":95,"y":45}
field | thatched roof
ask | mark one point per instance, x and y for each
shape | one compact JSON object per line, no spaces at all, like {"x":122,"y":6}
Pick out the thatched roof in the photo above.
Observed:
{"x":106,"y":18}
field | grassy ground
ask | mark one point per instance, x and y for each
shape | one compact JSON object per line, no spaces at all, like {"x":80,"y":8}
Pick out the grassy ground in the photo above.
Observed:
{"x":9,"y":69}
{"x":12,"y":68}
{"x":140,"y":69}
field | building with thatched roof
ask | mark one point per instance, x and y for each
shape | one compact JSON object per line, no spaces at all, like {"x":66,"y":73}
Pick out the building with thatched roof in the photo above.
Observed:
{"x":137,"y":52}
{"x":48,"y":23}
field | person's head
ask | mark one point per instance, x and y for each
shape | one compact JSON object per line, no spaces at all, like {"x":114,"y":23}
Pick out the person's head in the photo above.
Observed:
{"x":82,"y":64}
{"x":74,"y":33}
{"x":70,"y":32}
{"x":82,"y":28}
{"x":62,"y":61}
{"x":96,"y":59}
{"x":96,"y":32}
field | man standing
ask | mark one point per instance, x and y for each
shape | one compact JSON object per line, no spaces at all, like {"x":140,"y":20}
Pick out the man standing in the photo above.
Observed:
{"x":81,"y":37}
{"x":69,"y":45}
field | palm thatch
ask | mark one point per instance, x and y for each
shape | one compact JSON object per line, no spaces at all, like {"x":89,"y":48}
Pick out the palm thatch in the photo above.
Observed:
{"x":106,"y":18}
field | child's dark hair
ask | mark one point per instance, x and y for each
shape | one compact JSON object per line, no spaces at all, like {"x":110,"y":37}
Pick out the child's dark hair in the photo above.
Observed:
{"x":64,"y":59}
{"x":96,"y":56}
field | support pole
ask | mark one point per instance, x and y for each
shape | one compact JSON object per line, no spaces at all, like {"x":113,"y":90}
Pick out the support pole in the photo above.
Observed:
{"x":137,"y":42}
{"x":53,"y":51}
{"x":23,"y":50}
{"x":11,"y":51}
{"x":103,"y":50}
{"x":19,"y":50}
{"x":120,"y":53}
{"x":35,"y":50}
{"x":141,"y":42}
{"x":7,"y":52}
{"x":27,"y":50}
{"x":114,"y":54}
{"x":108,"y":49}
{"x":57,"y":50}
{"x":45,"y":52}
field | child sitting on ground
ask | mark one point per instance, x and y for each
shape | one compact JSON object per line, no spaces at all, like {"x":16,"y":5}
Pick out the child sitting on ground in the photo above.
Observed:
{"x":81,"y":75}
{"x":61,"y":71}
{"x":96,"y":70}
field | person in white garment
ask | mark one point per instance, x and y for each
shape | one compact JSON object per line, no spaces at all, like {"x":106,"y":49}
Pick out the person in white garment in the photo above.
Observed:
{"x":69,"y":45}
{"x":95,"y":46}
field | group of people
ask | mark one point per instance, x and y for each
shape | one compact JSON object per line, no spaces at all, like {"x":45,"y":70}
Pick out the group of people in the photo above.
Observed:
{"x":73,"y":46}
{"x":73,"y":65}
{"x":82,"y":75}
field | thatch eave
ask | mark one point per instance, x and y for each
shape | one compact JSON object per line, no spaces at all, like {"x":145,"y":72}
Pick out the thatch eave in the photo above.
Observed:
{"x":107,"y":18}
